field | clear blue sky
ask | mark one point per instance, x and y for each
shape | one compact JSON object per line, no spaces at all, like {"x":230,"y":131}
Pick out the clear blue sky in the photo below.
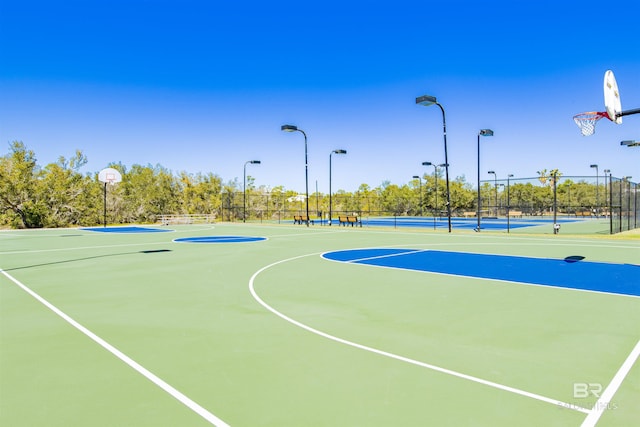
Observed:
{"x":204,"y":86}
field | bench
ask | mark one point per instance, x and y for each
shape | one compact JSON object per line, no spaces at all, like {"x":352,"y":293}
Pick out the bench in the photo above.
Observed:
{"x":349,"y":219}
{"x":583,"y":213}
{"x":469,"y":214}
{"x":515,"y":214}
{"x":301,"y":219}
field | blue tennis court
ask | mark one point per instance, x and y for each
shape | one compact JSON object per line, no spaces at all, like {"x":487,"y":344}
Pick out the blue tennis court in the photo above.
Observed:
{"x":571,"y":272}
{"x":459,"y":223}
{"x":495,"y":224}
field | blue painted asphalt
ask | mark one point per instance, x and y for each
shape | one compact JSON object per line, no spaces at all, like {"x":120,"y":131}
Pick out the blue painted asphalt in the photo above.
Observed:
{"x":572,"y":272}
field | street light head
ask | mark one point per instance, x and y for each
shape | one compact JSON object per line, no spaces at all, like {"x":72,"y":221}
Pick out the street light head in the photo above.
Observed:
{"x":340,"y":151}
{"x":426,"y":100}
{"x":630,"y":143}
{"x":510,"y":175}
{"x":416,"y":177}
{"x":493,"y":172}
{"x":426,"y":163}
{"x":255,"y":162}
{"x":289,"y":128}
{"x":593,"y":166}
{"x":443,"y":165}
{"x":486,"y":132}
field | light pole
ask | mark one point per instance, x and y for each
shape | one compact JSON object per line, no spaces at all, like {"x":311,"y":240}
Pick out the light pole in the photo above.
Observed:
{"x":428,"y":100}
{"x":556,"y":226}
{"x":330,"y":192}
{"x":628,"y":180}
{"x":509,"y":176}
{"x":435,"y":175}
{"x":244,"y":188}
{"x":441,"y":165}
{"x":292,"y":128}
{"x":483,"y":132}
{"x":495,"y":184}
{"x":606,"y":205}
{"x":419,"y":178}
{"x":597,"y":200}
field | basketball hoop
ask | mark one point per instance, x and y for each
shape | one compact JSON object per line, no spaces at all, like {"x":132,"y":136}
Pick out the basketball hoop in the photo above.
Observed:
{"x":109,"y":176}
{"x":587,"y":121}
{"x":110,"y":179}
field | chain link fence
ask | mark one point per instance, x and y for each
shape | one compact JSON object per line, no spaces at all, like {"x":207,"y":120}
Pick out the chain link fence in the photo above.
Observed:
{"x":579,"y":197}
{"x":625,"y":205}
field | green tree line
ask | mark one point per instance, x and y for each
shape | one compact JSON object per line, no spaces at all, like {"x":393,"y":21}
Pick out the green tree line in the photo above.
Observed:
{"x":59,"y":195}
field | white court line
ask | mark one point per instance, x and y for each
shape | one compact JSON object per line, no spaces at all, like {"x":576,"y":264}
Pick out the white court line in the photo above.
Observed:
{"x":395,"y":356}
{"x":605,"y":398}
{"x":126,"y":359}
{"x":357,"y":260}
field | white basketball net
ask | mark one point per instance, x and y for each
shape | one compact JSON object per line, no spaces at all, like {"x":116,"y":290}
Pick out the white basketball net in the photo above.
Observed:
{"x":587,"y":121}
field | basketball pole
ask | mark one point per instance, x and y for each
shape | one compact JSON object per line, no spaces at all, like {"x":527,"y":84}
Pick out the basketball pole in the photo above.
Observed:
{"x":105,"y":205}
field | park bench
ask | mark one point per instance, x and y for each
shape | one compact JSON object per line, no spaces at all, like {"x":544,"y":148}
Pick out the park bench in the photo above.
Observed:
{"x":349,"y":220}
{"x":301,"y":219}
{"x":583,"y":213}
{"x":515,"y":214}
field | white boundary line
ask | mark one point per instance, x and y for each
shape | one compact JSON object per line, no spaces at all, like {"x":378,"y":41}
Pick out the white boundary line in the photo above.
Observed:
{"x":605,"y":398}
{"x":395,"y":356}
{"x":123,"y":357}
{"x":223,"y":239}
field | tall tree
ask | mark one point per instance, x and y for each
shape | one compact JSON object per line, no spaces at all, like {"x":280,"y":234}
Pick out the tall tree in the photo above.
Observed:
{"x":70,"y":197}
{"x":19,"y":188}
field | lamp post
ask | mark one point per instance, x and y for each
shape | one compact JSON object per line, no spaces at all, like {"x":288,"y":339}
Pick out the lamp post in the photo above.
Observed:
{"x":556,"y":226}
{"x":630,"y":143}
{"x":483,"y":132}
{"x":330,"y":192}
{"x":606,"y":172}
{"x":435,"y":175}
{"x":441,"y":165}
{"x":244,"y":188}
{"x":495,"y":185}
{"x":317,"y":200}
{"x":292,"y":128}
{"x":508,"y":201}
{"x":628,"y":180}
{"x":419,"y":178}
{"x":428,"y":100}
{"x":597,"y":200}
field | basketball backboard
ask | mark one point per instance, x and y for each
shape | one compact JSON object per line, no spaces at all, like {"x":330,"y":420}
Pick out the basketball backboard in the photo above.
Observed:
{"x":612,"y":97}
{"x":109,"y":175}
